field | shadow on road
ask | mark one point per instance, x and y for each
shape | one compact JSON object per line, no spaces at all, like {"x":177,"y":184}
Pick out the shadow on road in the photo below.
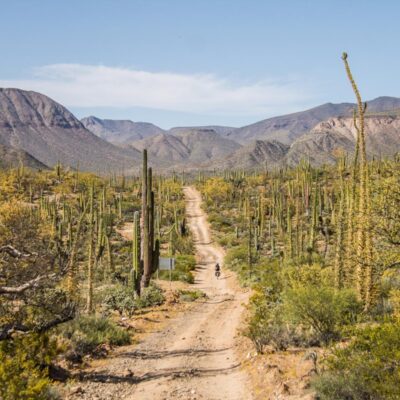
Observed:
{"x":167,"y":373}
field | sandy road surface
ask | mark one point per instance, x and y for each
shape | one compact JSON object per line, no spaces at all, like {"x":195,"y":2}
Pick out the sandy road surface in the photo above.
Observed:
{"x":192,"y":357}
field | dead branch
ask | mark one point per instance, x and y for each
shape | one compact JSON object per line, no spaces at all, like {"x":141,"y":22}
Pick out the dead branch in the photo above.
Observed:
{"x":7,"y":331}
{"x":13,"y":252}
{"x":33,"y":283}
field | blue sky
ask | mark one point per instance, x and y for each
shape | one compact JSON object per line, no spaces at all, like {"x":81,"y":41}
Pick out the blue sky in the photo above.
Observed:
{"x":189,"y":62}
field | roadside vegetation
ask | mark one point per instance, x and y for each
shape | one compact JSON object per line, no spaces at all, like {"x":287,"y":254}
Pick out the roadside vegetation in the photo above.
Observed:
{"x":73,"y":261}
{"x":320,"y":248}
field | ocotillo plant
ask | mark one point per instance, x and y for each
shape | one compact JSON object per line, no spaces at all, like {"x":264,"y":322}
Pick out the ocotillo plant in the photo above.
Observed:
{"x":364,"y":271}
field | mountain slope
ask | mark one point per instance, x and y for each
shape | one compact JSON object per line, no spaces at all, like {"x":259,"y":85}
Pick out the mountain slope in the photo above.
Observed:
{"x":257,"y":154}
{"x":221,"y":130}
{"x":206,"y":144}
{"x":49,"y":132}
{"x":167,"y":150}
{"x":120,"y":131}
{"x":12,"y":158}
{"x":288,"y":128}
{"x":191,"y":147}
{"x":337,"y":135}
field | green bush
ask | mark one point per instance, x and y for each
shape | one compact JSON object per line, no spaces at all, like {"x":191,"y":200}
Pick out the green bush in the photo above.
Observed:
{"x":85,"y":334}
{"x":220,"y":222}
{"x":150,"y":296}
{"x":267,"y":325}
{"x":228,"y":240}
{"x":322,"y":309}
{"x":184,"y":265}
{"x":121,"y":299}
{"x":367,"y":369}
{"x":236,"y":256}
{"x":176,"y":275}
{"x":23,"y":367}
{"x":266,"y":328}
{"x":191,"y":295}
{"x":185,"y":262}
{"x":183,"y":245}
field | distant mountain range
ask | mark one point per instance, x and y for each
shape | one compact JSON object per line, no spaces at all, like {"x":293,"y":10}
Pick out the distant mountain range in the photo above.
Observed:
{"x":48,"y":132}
{"x":38,"y":132}
{"x":191,"y":147}
{"x":120,"y":131}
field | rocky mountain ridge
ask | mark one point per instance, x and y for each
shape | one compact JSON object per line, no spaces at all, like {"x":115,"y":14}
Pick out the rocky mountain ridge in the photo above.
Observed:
{"x":47,"y":131}
{"x":36,"y":129}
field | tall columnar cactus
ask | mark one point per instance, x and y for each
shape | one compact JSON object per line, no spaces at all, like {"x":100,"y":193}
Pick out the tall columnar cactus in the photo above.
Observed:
{"x":313,"y":227}
{"x":339,"y":259}
{"x":249,"y":252}
{"x":58,"y":170}
{"x":89,"y":304}
{"x":289,"y":253}
{"x":135,"y":271}
{"x":271,"y":237}
{"x":144,"y":222}
{"x":147,"y":221}
{"x":72,"y":282}
{"x":150,"y":216}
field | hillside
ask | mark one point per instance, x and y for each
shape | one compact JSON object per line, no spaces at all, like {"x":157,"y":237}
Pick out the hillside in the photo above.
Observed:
{"x":12,"y":158}
{"x":221,"y":130}
{"x":36,"y":124}
{"x":120,"y":131}
{"x":206,"y":144}
{"x":257,"y":154}
{"x":321,"y":145}
{"x":47,"y":132}
{"x":165,"y":149}
{"x":287,"y":128}
{"x":191,"y":147}
{"x":337,"y":135}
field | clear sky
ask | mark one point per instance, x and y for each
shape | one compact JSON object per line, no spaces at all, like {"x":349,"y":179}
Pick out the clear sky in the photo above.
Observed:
{"x":189,"y":62}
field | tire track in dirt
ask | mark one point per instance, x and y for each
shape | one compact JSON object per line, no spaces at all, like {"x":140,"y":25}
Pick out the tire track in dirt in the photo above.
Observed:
{"x":193,"y":357}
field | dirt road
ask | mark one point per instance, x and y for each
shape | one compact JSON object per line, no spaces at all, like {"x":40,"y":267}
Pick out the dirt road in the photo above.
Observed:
{"x":192,"y":357}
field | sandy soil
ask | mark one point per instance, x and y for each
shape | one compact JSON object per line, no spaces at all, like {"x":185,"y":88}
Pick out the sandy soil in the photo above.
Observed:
{"x":192,"y":356}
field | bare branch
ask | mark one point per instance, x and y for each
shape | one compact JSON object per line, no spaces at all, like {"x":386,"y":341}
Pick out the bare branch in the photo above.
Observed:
{"x":13,"y":252}
{"x":33,"y":283}
{"x":7,"y":331}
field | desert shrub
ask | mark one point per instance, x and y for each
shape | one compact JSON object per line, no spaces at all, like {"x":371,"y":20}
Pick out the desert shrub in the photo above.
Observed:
{"x":121,"y":299}
{"x":184,"y":264}
{"x":266,"y":328}
{"x":86,"y":333}
{"x":322,"y":309}
{"x":220,"y":222}
{"x":191,"y":295}
{"x":24,"y":365}
{"x":367,"y":369}
{"x":394,"y":298}
{"x":236,"y":256}
{"x":150,"y":296}
{"x":183,"y":244}
{"x":177,"y":276}
{"x":228,"y":240}
{"x":314,"y":274}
